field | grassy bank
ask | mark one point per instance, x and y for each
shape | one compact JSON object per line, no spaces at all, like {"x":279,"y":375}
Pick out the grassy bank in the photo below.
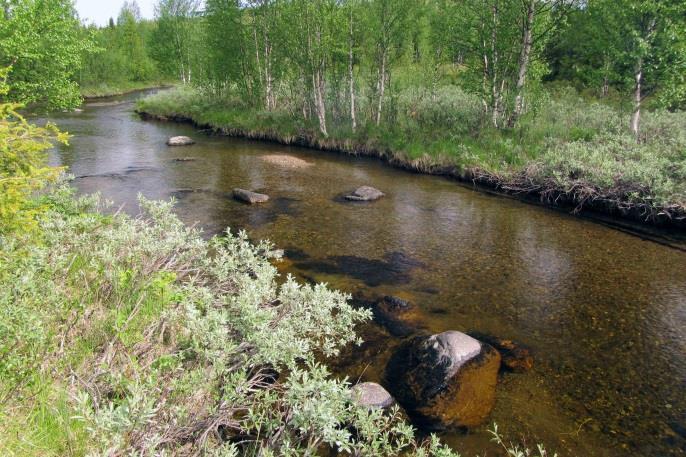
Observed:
{"x":111,"y":89}
{"x":134,"y":336}
{"x":566,"y":151}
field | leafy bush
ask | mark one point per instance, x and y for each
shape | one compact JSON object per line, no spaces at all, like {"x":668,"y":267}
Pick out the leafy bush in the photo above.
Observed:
{"x":22,"y":169}
{"x":163,"y":342}
{"x":448,"y":109}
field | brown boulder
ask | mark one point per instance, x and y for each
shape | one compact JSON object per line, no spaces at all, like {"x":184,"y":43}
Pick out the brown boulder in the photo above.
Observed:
{"x":516,"y":357}
{"x":444,"y":381}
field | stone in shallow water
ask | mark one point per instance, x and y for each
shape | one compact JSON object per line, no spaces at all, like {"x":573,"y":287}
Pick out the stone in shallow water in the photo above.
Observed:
{"x":180,"y":141}
{"x":285,"y":160}
{"x":372,"y":395}
{"x":365,"y":194}
{"x":249,"y":197}
{"x":446,"y":380}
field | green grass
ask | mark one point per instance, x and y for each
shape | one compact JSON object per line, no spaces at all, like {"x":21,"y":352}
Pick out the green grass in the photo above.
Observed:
{"x":44,"y":424}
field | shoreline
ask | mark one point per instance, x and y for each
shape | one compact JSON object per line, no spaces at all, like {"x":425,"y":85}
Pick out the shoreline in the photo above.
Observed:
{"x":619,"y":215}
{"x":120,"y":92}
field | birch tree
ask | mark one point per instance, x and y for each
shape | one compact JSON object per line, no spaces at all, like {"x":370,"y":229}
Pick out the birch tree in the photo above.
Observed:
{"x":388,"y":26}
{"x":176,"y":27}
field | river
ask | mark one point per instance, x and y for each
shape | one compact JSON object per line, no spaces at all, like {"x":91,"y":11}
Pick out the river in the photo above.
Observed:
{"x":604,"y":312}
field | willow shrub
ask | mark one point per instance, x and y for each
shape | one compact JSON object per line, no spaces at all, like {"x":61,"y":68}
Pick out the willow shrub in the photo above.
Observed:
{"x":145,"y":339}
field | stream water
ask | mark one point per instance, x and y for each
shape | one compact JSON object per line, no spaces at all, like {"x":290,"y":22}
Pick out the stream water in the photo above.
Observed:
{"x":603,"y":312}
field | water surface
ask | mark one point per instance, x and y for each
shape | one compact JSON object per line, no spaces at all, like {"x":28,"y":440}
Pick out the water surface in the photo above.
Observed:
{"x":604,"y":312}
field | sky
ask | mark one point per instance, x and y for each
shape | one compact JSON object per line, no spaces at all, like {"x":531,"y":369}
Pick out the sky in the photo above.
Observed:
{"x":100,"y":11}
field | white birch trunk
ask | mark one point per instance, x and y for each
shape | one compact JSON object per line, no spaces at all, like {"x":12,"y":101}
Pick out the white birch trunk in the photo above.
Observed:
{"x":381,"y":86}
{"x":524,"y":59}
{"x":353,"y":119}
{"x":636,"y":114}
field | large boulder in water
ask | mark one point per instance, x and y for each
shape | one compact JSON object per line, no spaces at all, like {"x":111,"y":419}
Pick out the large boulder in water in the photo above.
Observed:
{"x":249,"y":197}
{"x":180,"y":141}
{"x":365,"y":194}
{"x":444,"y":381}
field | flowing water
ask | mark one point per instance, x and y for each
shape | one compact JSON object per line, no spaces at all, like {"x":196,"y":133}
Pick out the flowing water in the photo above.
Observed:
{"x":603,"y":312}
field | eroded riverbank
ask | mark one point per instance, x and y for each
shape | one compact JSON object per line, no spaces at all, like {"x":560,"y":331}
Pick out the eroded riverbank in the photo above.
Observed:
{"x":602,"y":311}
{"x":611,"y":206}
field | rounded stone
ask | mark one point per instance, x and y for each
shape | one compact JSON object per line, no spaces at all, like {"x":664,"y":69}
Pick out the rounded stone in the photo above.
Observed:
{"x":180,"y":141}
{"x":372,"y":395}
{"x":249,"y":197}
{"x":365,"y":194}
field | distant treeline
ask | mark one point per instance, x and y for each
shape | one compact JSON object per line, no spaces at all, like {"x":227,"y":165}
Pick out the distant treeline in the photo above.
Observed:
{"x":331,"y":60}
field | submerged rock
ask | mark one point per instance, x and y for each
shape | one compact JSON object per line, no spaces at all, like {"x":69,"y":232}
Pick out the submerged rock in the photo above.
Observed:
{"x":446,"y":380}
{"x":515,"y":357}
{"x":398,"y":316}
{"x":180,"y":141}
{"x":249,"y":197}
{"x":286,"y":161}
{"x":372,"y":396}
{"x":365,"y":194}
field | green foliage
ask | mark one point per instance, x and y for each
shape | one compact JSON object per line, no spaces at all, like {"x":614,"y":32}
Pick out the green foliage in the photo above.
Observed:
{"x":22,"y":169}
{"x":43,"y":42}
{"x":607,"y":43}
{"x":223,"y":39}
{"x":175,"y":36}
{"x":126,"y":56}
{"x":135,"y":335}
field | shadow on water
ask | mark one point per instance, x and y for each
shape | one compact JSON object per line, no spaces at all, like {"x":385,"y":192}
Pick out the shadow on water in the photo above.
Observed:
{"x":296,"y":254}
{"x":126,"y":173}
{"x":394,"y":268}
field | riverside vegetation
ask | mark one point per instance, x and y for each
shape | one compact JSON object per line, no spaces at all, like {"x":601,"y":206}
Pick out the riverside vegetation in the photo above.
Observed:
{"x":531,"y":97}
